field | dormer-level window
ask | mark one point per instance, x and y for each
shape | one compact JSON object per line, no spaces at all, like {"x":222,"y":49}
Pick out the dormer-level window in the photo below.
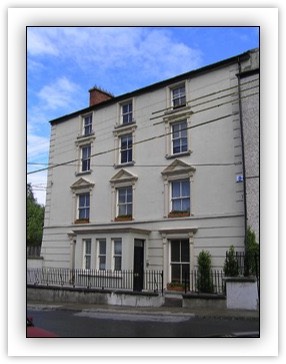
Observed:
{"x":126,"y":113}
{"x":178,"y":96}
{"x":87,"y":125}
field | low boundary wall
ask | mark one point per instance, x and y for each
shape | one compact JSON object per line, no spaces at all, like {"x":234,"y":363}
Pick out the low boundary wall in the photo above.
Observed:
{"x":91,"y":296}
{"x":201,"y":300}
{"x":242,"y":293}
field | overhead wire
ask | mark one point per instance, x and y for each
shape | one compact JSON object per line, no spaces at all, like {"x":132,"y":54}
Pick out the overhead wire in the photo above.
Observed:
{"x":49,"y":166}
{"x":67,"y":142}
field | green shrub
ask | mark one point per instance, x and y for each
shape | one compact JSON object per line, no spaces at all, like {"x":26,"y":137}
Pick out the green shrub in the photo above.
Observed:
{"x":204,"y":279}
{"x":251,"y":264}
{"x":230,"y":267}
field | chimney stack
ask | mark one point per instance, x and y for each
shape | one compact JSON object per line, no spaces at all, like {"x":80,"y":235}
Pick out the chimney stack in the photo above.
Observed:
{"x":97,"y":96}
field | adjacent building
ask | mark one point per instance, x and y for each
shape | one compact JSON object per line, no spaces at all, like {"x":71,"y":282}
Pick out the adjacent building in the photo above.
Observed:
{"x":148,"y":179}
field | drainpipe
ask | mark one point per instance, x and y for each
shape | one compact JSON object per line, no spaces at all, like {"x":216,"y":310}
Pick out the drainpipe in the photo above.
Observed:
{"x":242,"y":152}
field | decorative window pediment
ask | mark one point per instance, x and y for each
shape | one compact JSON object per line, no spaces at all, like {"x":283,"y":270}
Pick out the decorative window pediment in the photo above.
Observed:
{"x":82,"y":184}
{"x":123,"y":177}
{"x":178,"y":168}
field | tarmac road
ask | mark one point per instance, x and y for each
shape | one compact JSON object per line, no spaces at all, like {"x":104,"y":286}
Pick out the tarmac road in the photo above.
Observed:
{"x":118,"y":323}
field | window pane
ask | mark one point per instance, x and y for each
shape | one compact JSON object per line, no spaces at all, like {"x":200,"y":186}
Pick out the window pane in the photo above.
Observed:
{"x":176,"y":189}
{"x":175,"y":251}
{"x":117,"y":247}
{"x":179,"y":97}
{"x":102,"y":247}
{"x":129,"y":194}
{"x":122,"y":195}
{"x":176,"y":146}
{"x":176,"y":131}
{"x":126,"y":148}
{"x":185,"y":188}
{"x":87,"y":247}
{"x":102,"y":263}
{"x":87,"y":262}
{"x":122,"y":210}
{"x":185,"y":251}
{"x":185,"y":271}
{"x":129,"y":155}
{"x":124,"y":157}
{"x":185,"y":204}
{"x":129,"y":209}
{"x":183,"y":126}
{"x":127,"y":113}
{"x":184,"y":145}
{"x":125,"y":201}
{"x":176,"y":205}
{"x":117,"y":263}
{"x":175,"y":271}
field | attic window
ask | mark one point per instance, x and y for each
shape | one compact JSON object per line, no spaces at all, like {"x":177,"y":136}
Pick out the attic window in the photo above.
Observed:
{"x":178,"y":95}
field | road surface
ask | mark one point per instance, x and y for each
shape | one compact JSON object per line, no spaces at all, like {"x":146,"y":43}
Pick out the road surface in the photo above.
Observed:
{"x":112,"y":324}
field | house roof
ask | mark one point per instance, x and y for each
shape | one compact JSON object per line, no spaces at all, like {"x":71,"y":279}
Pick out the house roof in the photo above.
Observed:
{"x":154,"y":86}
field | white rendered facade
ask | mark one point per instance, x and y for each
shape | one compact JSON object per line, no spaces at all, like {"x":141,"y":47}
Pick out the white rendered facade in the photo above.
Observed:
{"x":158,"y":168}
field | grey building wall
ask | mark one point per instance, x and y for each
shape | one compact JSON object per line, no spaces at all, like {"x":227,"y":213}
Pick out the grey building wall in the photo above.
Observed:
{"x":250,"y":118}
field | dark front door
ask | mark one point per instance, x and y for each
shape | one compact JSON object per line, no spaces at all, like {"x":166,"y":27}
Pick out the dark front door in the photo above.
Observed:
{"x":138,"y":281}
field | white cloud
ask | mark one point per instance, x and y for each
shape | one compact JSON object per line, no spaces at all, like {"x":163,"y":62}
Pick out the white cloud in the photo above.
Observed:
{"x":58,"y":94}
{"x":152,"y":49}
{"x":39,"y":43}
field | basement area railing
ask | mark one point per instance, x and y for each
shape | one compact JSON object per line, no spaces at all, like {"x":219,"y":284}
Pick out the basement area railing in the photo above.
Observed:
{"x":149,"y":280}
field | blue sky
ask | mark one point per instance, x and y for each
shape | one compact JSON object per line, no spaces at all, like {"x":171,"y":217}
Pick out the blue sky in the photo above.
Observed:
{"x":63,"y":63}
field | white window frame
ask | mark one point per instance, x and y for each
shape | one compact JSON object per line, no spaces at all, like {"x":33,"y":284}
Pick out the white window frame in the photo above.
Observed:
{"x":88,"y":125}
{"x":122,"y":178}
{"x":120,"y":132}
{"x":115,"y":255}
{"x":182,"y":97}
{"x":129,"y":114}
{"x":179,"y":262}
{"x":126,"y":204}
{"x":126,"y":150}
{"x":171,"y":120}
{"x":176,"y":171}
{"x":86,"y":160}
{"x":100,"y":254}
{"x":181,"y":197}
{"x":87,"y":255}
{"x":85,"y":207}
{"x":180,"y":138}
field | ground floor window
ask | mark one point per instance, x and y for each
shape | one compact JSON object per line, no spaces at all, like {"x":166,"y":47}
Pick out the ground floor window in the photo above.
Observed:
{"x":102,"y":254}
{"x":117,"y":254}
{"x":180,"y":260}
{"x":87,"y":253}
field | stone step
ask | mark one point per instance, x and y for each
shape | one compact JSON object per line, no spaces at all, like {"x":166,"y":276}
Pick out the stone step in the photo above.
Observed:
{"x":173,"y":302}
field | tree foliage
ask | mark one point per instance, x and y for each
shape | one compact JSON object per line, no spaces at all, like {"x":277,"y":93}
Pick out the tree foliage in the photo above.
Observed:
{"x":204,"y":281}
{"x":35,"y":219}
{"x":252,"y":253}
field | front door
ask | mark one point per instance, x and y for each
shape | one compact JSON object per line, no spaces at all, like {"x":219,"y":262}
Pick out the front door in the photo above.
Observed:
{"x":138,"y":280}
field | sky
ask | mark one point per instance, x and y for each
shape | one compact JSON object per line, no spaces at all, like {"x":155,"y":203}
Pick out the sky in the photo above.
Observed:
{"x":63,"y":63}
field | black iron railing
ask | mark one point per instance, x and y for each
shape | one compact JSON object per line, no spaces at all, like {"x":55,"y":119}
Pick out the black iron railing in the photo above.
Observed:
{"x":247,"y":263}
{"x":210,"y":283}
{"x":95,"y":279}
{"x":33,"y":251}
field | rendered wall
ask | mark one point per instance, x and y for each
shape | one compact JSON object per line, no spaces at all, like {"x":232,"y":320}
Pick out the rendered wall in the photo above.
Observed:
{"x":215,"y":153}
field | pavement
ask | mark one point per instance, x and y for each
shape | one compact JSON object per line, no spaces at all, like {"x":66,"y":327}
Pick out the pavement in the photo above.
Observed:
{"x":202,"y":312}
